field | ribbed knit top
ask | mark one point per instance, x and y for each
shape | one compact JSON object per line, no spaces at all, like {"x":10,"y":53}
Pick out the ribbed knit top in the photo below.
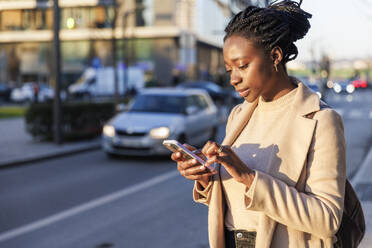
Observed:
{"x":255,"y":147}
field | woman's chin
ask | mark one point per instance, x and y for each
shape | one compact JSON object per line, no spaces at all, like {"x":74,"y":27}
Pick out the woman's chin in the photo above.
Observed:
{"x":250,"y":98}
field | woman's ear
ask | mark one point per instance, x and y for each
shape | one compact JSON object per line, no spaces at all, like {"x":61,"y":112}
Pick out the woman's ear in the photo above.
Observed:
{"x":276,"y":55}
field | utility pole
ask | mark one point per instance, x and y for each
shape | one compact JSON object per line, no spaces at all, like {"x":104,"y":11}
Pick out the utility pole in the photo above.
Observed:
{"x":125,"y":42}
{"x":57,"y":75}
{"x":125,"y":52}
{"x":114,"y":64}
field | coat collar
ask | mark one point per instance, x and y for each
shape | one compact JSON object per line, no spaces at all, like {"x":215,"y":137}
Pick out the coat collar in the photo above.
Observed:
{"x":305,"y":102}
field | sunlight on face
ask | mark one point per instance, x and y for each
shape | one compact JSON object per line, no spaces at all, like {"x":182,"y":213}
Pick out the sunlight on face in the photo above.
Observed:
{"x":250,"y":68}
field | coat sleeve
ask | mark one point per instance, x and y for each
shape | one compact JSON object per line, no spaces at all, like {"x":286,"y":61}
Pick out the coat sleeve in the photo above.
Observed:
{"x":201,"y":195}
{"x":318,"y":210}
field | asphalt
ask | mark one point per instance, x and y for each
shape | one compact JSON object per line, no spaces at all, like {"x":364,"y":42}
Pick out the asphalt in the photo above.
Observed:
{"x":18,"y":147}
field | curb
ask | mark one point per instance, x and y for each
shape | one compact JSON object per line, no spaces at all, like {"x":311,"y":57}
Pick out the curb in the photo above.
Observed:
{"x":56,"y":154}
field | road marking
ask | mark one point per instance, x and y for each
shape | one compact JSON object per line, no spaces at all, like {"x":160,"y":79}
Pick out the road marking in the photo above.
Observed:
{"x":86,"y":206}
{"x":355,"y":114}
{"x":370,"y":114}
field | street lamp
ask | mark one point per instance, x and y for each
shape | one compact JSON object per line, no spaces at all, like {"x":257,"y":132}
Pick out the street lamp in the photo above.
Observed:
{"x":113,"y":46}
{"x":125,"y":56}
{"x":57,"y":75}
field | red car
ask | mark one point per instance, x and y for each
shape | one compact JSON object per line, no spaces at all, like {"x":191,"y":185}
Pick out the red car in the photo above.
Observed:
{"x":359,"y":83}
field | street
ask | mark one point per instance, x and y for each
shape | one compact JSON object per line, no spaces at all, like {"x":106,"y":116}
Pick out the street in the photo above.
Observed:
{"x":356,"y":112}
{"x":88,"y":200}
{"x":157,"y":213}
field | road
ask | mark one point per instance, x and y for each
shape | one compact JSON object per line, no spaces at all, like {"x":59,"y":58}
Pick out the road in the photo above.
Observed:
{"x":159,"y":212}
{"x":356,"y":112}
{"x":88,"y":200}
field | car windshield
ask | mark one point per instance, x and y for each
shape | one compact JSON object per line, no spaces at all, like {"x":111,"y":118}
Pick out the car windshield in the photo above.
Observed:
{"x":207,"y":86}
{"x":159,"y":103}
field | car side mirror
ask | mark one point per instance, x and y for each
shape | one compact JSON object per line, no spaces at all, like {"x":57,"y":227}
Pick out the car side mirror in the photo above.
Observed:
{"x":191,"y":110}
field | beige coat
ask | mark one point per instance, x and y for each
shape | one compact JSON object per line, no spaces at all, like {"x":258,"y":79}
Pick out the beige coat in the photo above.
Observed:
{"x":301,"y":200}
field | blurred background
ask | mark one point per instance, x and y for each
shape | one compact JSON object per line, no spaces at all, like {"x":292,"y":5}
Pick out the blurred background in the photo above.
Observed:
{"x":89,"y":89}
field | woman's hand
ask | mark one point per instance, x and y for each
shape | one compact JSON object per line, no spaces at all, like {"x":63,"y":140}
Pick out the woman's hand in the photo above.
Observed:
{"x":191,"y":169}
{"x":228,"y":159}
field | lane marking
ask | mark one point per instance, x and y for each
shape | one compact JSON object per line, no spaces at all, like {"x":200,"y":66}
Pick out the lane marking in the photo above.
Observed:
{"x":370,"y":114}
{"x":86,"y":206}
{"x":355,"y":114}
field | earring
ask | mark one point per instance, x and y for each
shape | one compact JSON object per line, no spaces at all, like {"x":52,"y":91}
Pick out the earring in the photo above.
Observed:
{"x":276,"y":67}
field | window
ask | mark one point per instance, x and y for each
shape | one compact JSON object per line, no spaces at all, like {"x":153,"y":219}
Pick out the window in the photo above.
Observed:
{"x":11,"y":20}
{"x":200,"y":101}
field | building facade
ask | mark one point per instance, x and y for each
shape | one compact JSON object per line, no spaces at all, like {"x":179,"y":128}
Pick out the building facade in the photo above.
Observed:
{"x":172,"y":40}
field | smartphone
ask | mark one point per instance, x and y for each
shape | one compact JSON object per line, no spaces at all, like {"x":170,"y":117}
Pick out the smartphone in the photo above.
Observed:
{"x":176,"y":146}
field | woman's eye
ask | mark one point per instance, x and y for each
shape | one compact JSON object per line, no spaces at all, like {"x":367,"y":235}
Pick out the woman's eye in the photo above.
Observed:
{"x":228,"y":71}
{"x":243,"y":67}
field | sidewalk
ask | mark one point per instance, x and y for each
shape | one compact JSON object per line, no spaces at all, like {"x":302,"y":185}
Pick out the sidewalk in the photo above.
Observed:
{"x":17,"y":146}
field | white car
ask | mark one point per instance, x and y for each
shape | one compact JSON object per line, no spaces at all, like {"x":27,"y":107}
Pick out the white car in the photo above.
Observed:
{"x":26,"y":93}
{"x":156,"y":114}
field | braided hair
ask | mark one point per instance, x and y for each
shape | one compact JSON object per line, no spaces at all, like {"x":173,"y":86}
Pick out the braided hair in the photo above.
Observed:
{"x":280,"y":24}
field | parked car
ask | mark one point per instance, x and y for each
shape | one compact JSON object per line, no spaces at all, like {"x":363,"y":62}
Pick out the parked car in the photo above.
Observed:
{"x":26,"y":93}
{"x":156,"y":114}
{"x":359,"y":83}
{"x":4,"y":92}
{"x":217,"y":93}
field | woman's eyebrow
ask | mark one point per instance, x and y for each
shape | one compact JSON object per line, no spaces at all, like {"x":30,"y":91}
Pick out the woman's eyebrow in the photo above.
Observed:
{"x":238,"y":58}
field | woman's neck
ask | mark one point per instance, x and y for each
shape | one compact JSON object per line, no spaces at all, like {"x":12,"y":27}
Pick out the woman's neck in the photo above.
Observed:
{"x":281,"y":85}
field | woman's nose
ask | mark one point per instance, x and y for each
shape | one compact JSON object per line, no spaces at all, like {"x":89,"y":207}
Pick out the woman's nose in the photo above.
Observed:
{"x":235,"y":77}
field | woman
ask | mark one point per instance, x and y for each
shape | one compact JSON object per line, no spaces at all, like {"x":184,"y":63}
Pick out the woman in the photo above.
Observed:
{"x":280,"y":174}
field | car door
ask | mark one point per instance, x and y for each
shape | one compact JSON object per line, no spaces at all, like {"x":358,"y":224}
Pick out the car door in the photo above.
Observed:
{"x":194,"y":119}
{"x":208,"y":116}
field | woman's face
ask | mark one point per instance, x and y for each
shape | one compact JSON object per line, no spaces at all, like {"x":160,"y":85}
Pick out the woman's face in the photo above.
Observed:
{"x":251,"y":70}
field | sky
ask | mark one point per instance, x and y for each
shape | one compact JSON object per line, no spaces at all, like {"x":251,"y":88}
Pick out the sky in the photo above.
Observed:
{"x":340,"y":28}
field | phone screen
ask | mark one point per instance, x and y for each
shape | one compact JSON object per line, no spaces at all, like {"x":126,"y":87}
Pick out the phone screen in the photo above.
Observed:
{"x":175,"y":148}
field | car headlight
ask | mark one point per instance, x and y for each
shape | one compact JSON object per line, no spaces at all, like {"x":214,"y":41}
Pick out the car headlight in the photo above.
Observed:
{"x":160,"y":133}
{"x":109,"y":131}
{"x":350,"y":88}
{"x":337,"y":88}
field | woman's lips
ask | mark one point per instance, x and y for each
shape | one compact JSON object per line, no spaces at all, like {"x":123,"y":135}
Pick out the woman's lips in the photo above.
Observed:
{"x":243,"y":93}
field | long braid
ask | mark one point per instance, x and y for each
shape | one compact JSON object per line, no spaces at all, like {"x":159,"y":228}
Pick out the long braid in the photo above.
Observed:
{"x":280,"y":24}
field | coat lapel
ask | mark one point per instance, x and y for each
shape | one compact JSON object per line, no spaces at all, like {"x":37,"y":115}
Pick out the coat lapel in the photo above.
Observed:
{"x":240,"y":121}
{"x":217,"y":212}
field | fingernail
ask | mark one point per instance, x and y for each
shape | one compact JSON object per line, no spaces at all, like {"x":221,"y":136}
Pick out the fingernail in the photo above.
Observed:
{"x":201,"y":167}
